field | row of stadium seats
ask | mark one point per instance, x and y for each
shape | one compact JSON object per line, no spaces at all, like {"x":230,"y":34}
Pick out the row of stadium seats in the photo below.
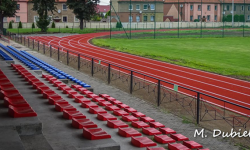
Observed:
{"x":18,"y":106}
{"x":5,"y":56}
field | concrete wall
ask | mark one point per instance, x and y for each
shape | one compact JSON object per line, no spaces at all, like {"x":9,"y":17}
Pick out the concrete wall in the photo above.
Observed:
{"x":142,"y":25}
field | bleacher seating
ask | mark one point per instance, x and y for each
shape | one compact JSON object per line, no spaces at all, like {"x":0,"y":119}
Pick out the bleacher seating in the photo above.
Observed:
{"x":5,"y":56}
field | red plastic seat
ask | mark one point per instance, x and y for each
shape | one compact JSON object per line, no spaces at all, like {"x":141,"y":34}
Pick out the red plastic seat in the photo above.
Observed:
{"x":120,"y":113}
{"x":48,"y":93}
{"x":17,"y":112}
{"x":83,"y":123}
{"x":62,"y":107}
{"x":156,"y":125}
{"x":46,"y":75}
{"x":105,"y":117}
{"x":98,"y":99}
{"x":138,"y":114}
{"x":129,"y":118}
{"x":105,"y":103}
{"x":179,"y":137}
{"x":62,"y":86}
{"x":177,"y":146}
{"x":92,"y":96}
{"x":39,"y":84}
{"x":130,"y":110}
{"x":16,"y":102}
{"x":81,"y":89}
{"x":112,"y":108}
{"x":81,"y":100}
{"x":192,"y":144}
{"x":76,"y":86}
{"x":74,"y":95}
{"x":128,"y":132}
{"x":95,"y":134}
{"x":104,"y":95}
{"x":167,"y":131}
{"x":73,"y":114}
{"x":7,"y":87}
{"x":67,"y":91}
{"x":55,"y":100}
{"x":139,"y":124}
{"x":163,"y":139}
{"x":116,"y":102}
{"x":5,"y":82}
{"x":156,"y":148}
{"x":147,"y":119}
{"x":150,"y":131}
{"x":116,"y":124}
{"x":110,"y":99}
{"x":142,"y":142}
{"x":96,"y":110}
{"x":9,"y":93}
{"x":42,"y":88}
{"x":87,"y":92}
{"x":122,"y":106}
{"x":88,"y":104}
{"x":56,"y":84}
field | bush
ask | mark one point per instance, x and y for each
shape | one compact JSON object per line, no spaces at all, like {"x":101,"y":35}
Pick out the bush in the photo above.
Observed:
{"x":53,"y":25}
{"x":242,"y":18}
{"x":67,"y":27}
{"x":10,"y":25}
{"x":236,"y":18}
{"x":196,"y":20}
{"x":118,"y":25}
{"x":229,"y":18}
{"x":20,"y":25}
{"x":33,"y":25}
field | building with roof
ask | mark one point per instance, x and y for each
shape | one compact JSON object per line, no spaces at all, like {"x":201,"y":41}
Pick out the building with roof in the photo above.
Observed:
{"x":102,"y":9}
{"x":22,"y":12}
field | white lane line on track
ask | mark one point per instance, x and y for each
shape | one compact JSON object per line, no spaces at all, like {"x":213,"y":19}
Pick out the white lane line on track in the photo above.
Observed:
{"x":180,"y":83}
{"x":169,"y":73}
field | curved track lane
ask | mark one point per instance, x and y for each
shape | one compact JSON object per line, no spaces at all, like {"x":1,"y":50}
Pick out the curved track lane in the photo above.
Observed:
{"x":233,"y":90}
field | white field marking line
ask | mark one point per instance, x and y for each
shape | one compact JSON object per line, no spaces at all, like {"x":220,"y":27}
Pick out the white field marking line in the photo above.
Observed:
{"x":169,"y":73}
{"x":185,"y":85}
{"x":146,"y":62}
{"x":179,"y":66}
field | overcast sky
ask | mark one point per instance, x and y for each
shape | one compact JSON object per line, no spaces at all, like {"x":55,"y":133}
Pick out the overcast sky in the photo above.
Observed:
{"x":104,"y":2}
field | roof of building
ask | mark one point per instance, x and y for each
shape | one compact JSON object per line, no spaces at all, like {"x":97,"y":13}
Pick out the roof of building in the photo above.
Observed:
{"x":103,"y":8}
{"x":142,"y":0}
{"x":206,"y":1}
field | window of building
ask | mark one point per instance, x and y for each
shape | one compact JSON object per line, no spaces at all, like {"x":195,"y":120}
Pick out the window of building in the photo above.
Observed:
{"x":137,"y":7}
{"x":191,"y":7}
{"x":36,"y":18}
{"x":65,"y":19}
{"x":18,"y":7}
{"x":234,"y":8}
{"x":137,"y":18}
{"x":17,"y":18}
{"x":199,"y":7}
{"x":4,"y":19}
{"x":199,"y":17}
{"x":208,"y":7}
{"x":208,"y":17}
{"x":242,"y":7}
{"x":76,"y":19}
{"x":191,"y":18}
{"x":215,"y":7}
{"x":130,"y":7}
{"x":248,"y":17}
{"x":64,"y":7}
{"x":227,"y":7}
{"x":248,"y":8}
{"x":152,"y":6}
{"x":152,"y":18}
{"x":215,"y":17}
{"x":145,"y":7}
{"x":145,"y":18}
{"x":130,"y":18}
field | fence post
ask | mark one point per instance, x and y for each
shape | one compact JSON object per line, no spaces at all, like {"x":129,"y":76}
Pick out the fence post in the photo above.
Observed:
{"x":43,"y":48}
{"x":28,"y":43}
{"x":79,"y":63}
{"x":92,"y":67}
{"x":33,"y":43}
{"x":50,"y":50}
{"x":131,"y":82}
{"x":24,"y":40}
{"x":198,"y":109}
{"x":159,"y":93}
{"x":67,"y":57}
{"x":38,"y":45}
{"x":21,"y":39}
{"x":58,"y":52}
{"x":109,"y":74}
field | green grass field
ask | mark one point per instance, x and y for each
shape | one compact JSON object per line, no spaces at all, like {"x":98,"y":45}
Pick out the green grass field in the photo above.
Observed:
{"x":226,"y":56}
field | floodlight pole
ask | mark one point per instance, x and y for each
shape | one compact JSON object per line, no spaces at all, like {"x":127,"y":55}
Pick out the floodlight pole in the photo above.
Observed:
{"x":178,"y":17}
{"x":244,"y":18}
{"x":154,"y":20}
{"x":130,"y":20}
{"x":232,"y":13}
{"x":201,"y":20}
{"x":110,"y":19}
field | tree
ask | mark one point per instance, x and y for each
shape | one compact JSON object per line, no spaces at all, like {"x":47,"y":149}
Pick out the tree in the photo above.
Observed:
{"x":83,"y":9}
{"x":42,"y":7}
{"x":107,"y":14}
{"x":20,"y":25}
{"x":7,"y":9}
{"x":53,"y":25}
{"x":10,"y":25}
{"x":33,"y":25}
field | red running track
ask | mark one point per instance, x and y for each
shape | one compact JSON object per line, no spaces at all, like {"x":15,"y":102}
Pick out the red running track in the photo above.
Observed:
{"x":229,"y":89}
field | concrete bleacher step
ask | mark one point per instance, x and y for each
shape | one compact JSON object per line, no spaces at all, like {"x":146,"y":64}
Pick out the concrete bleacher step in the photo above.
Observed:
{"x":10,"y":139}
